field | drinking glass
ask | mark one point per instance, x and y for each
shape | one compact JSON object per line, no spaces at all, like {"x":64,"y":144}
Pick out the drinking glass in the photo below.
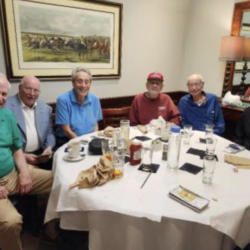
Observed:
{"x":210,"y":145}
{"x":187,"y":132}
{"x":165,"y":130}
{"x":107,"y":149}
{"x":116,"y":137}
{"x":209,"y":130}
{"x":209,"y":162}
{"x":147,"y":154}
{"x":118,"y":163}
{"x":125,"y":126}
{"x":161,"y":111}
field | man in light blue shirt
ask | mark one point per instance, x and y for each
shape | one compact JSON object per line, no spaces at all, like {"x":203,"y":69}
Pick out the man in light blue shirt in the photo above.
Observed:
{"x":77,"y":111}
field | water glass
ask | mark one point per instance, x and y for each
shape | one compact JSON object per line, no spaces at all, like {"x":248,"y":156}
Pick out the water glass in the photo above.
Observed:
{"x":208,"y":169}
{"x":162,"y":111}
{"x":118,"y":163}
{"x":165,"y":130}
{"x":147,"y":154}
{"x":209,"y":130}
{"x":107,"y":149}
{"x":210,"y":145}
{"x":187,"y":132}
{"x":125,"y":126}
{"x":116,"y":137}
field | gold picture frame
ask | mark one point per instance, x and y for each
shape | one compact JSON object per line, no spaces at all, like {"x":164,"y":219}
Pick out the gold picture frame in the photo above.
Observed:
{"x":47,"y":38}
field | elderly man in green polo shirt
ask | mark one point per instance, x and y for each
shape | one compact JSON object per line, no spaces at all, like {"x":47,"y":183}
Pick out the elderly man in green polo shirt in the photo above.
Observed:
{"x":16,"y":177}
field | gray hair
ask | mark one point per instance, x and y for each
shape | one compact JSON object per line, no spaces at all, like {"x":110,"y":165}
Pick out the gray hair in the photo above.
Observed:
{"x":80,"y":69}
{"x":197,"y":76}
{"x":4,"y":77}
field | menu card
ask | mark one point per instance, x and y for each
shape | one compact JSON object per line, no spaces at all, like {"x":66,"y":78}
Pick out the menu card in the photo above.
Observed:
{"x":189,"y":199}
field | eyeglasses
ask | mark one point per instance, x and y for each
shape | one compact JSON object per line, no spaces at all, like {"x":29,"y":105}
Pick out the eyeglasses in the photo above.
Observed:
{"x":81,"y":81}
{"x":29,"y":90}
{"x":196,"y":84}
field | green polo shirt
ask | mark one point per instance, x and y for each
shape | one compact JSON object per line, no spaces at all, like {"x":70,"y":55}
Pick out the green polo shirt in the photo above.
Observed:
{"x":9,"y":141}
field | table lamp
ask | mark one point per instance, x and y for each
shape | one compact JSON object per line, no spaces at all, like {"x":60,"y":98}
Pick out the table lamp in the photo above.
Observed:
{"x":231,"y":50}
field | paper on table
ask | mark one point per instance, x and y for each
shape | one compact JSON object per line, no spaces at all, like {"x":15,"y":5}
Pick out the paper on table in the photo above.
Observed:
{"x":239,"y":162}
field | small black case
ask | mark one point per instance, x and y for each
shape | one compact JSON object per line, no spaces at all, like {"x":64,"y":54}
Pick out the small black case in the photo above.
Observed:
{"x":95,"y":146}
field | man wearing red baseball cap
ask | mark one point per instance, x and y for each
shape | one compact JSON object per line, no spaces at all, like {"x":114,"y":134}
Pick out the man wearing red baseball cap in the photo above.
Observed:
{"x":152,"y":104}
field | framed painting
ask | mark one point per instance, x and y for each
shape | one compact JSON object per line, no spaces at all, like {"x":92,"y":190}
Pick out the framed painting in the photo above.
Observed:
{"x":48,"y":38}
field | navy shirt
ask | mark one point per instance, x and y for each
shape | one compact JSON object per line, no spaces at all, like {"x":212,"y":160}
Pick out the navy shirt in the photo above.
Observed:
{"x":208,"y":112}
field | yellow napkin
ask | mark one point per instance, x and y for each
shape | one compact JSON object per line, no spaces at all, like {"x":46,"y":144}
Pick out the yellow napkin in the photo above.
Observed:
{"x":96,"y":175}
{"x":108,"y":132}
{"x":239,"y":162}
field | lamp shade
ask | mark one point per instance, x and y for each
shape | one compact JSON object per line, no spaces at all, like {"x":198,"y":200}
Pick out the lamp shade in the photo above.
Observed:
{"x":232,"y":48}
{"x":247,"y":49}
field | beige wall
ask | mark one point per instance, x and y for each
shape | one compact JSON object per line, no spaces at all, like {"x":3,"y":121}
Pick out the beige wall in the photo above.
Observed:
{"x":209,"y":20}
{"x":176,"y":37}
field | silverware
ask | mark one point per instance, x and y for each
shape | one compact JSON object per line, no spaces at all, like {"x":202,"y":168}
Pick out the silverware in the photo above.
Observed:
{"x":146,"y":179}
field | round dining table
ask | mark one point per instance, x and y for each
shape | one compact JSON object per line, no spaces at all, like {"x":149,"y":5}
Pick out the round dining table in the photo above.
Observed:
{"x":130,"y":214}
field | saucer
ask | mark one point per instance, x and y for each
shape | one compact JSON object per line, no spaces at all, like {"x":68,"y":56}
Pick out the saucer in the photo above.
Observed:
{"x":67,"y":158}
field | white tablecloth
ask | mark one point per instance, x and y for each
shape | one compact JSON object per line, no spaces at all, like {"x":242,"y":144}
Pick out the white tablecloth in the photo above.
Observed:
{"x":121,"y":215}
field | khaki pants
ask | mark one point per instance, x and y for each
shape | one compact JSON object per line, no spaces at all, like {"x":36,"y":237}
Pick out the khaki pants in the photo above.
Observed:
{"x":10,"y":219}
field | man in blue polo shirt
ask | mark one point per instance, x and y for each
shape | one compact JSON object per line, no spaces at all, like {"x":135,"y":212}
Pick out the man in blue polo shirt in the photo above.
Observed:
{"x":199,"y":108}
{"x":77,"y":111}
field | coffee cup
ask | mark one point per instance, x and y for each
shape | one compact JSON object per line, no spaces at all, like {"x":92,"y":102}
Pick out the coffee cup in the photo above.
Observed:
{"x":74,"y":148}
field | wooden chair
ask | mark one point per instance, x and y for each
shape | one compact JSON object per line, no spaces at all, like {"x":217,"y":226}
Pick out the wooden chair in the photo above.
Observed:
{"x":112,"y":117}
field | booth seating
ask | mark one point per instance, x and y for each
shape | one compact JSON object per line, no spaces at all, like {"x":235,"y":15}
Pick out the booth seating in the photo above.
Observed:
{"x":112,"y":117}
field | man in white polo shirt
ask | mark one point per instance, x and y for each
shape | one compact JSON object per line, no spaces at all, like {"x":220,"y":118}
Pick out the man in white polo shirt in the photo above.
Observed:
{"x":34,"y":120}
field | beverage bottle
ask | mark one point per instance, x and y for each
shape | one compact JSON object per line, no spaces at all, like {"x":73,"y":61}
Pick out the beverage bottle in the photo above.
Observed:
{"x":174,"y":147}
{"x":135,"y":153}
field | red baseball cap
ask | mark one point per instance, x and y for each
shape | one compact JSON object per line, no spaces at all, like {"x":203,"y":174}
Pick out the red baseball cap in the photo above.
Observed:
{"x":155,"y":76}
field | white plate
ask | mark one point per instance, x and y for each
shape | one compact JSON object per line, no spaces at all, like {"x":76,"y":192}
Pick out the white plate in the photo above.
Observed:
{"x":67,"y":158}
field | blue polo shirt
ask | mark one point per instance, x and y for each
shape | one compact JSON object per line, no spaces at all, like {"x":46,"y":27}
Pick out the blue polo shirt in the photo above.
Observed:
{"x":81,"y":118}
{"x":208,"y":112}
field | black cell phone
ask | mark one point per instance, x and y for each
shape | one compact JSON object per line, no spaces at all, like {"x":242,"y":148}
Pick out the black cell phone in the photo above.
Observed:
{"x":234,"y":146}
{"x":44,"y":155}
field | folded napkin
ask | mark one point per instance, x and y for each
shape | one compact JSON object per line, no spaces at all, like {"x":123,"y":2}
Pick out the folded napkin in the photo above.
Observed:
{"x":108,"y":132}
{"x":96,"y":175}
{"x":239,"y":162}
{"x":230,"y":99}
{"x":142,"y":128}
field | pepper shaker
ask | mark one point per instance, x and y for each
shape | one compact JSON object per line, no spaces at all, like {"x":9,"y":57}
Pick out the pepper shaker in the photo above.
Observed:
{"x":165,"y":152}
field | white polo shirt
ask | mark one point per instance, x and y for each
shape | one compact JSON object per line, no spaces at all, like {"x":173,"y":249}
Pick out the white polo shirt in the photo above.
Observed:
{"x":31,"y":132}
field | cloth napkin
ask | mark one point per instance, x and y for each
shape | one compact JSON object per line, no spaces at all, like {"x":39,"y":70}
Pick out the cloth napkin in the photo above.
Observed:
{"x":230,"y":99}
{"x":239,"y":162}
{"x":142,"y":128}
{"x":107,"y":132}
{"x":97,"y":175}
